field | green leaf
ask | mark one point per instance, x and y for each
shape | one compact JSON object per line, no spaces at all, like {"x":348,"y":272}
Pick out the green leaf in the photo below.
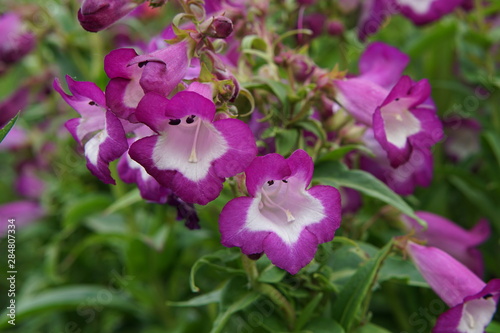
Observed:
{"x":313,"y":126}
{"x":84,"y":207}
{"x":324,"y":325}
{"x":127,"y":200}
{"x":235,"y":297}
{"x":348,"y":304}
{"x":493,"y":327}
{"x":338,"y":175}
{"x":82,"y":298}
{"x":493,"y":140}
{"x":308,"y":311}
{"x":403,"y":270}
{"x":224,"y":255}
{"x":253,"y":42}
{"x":371,"y":328}
{"x":271,"y":274}
{"x":6,"y":129}
{"x":286,"y":141}
{"x":340,"y":152}
{"x":209,"y":298}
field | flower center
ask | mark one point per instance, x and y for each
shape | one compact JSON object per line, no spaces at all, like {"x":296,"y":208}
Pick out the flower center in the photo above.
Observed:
{"x":193,"y":158}
{"x":268,"y":201}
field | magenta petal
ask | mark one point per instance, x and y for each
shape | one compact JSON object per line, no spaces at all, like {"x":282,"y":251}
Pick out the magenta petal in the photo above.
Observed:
{"x":382,"y":64}
{"x":115,"y":63}
{"x":329,"y":197}
{"x":164,"y":69}
{"x":123,"y":96}
{"x":453,"y":239}
{"x":24,"y":213}
{"x":186,"y":103}
{"x":291,"y":257}
{"x":265,"y":168}
{"x":151,"y":111}
{"x":301,"y":166}
{"x":232,"y":227}
{"x":96,"y":15}
{"x":374,"y":13}
{"x":200,"y":192}
{"x":242,"y":148}
{"x":360,"y":98}
{"x":423,"y":12}
{"x":104,"y":147}
{"x":451,"y":280}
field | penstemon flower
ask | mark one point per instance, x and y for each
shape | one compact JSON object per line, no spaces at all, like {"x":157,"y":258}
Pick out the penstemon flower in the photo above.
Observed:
{"x":281,"y":218}
{"x":98,"y":130}
{"x":97,"y":15}
{"x":456,"y":241}
{"x":191,"y":153}
{"x":473,"y":302}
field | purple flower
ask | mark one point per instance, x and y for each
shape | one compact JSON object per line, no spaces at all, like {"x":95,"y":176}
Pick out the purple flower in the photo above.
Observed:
{"x":380,"y":68}
{"x":406,"y":120}
{"x":28,"y":184}
{"x":96,"y":15}
{"x":417,"y":171}
{"x":134,"y":75}
{"x":462,"y":138}
{"x":426,"y":11}
{"x":373,"y":15}
{"x":281,"y":218}
{"x":453,"y":239}
{"x":132,"y":172}
{"x":191,"y":153}
{"x":12,"y":105}
{"x":98,"y":130}
{"x":15,"y":42}
{"x":473,"y":302}
{"x":24,"y":213}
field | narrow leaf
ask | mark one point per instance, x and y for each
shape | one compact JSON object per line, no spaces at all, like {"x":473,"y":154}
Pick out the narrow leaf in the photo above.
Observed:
{"x":6,"y":129}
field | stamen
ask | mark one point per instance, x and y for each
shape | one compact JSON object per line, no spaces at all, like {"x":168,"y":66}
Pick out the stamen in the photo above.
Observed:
{"x":285,"y":181}
{"x":271,"y":182}
{"x":288,"y":213}
{"x":469,"y":319}
{"x":174,"y":121}
{"x":190,"y":119}
{"x":92,"y":103}
{"x":193,"y":158}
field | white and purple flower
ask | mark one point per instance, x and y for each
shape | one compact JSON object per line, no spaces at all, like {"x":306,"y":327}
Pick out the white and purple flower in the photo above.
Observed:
{"x":133,"y":75}
{"x":473,"y":302}
{"x":281,"y":218}
{"x":98,"y":130}
{"x":407,"y":119}
{"x":191,"y":153}
{"x":426,"y":11}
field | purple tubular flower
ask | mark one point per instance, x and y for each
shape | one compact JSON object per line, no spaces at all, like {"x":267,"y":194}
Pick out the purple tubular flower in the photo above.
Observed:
{"x":134,"y":75}
{"x":28,"y":184}
{"x":380,"y":67}
{"x":473,"y":302}
{"x":24,"y":212}
{"x":373,"y":15}
{"x":97,"y":15}
{"x":98,"y":130}
{"x":453,"y":239}
{"x":281,"y":217}
{"x":426,"y":11}
{"x":191,"y":153}
{"x":12,"y":105}
{"x":404,"y":121}
{"x":15,"y":42}
{"x":417,"y":171}
{"x":462,"y":138}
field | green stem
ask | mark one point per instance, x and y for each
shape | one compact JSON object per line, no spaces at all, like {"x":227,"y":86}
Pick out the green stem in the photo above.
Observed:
{"x":277,"y":298}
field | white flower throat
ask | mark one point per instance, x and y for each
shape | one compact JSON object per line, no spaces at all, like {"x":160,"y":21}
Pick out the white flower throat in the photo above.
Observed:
{"x":193,"y":157}
{"x":269,"y":192}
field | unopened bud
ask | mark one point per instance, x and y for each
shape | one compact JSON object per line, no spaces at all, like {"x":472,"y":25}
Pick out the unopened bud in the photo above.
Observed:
{"x":221,"y":27}
{"x":335,"y":28}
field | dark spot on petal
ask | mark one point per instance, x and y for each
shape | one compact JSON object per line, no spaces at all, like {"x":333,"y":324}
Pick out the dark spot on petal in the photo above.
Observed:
{"x":487,"y":296}
{"x":92,"y":103}
{"x":174,"y":121}
{"x":190,"y":119}
{"x":285,"y":181}
{"x":142,"y":64}
{"x":271,"y":182}
{"x":255,"y":256}
{"x":397,"y":99}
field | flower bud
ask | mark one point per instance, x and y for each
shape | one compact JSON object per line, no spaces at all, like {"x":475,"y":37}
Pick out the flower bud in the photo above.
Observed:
{"x":335,"y":28}
{"x":97,"y":15}
{"x":15,"y":42}
{"x":220,"y":27}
